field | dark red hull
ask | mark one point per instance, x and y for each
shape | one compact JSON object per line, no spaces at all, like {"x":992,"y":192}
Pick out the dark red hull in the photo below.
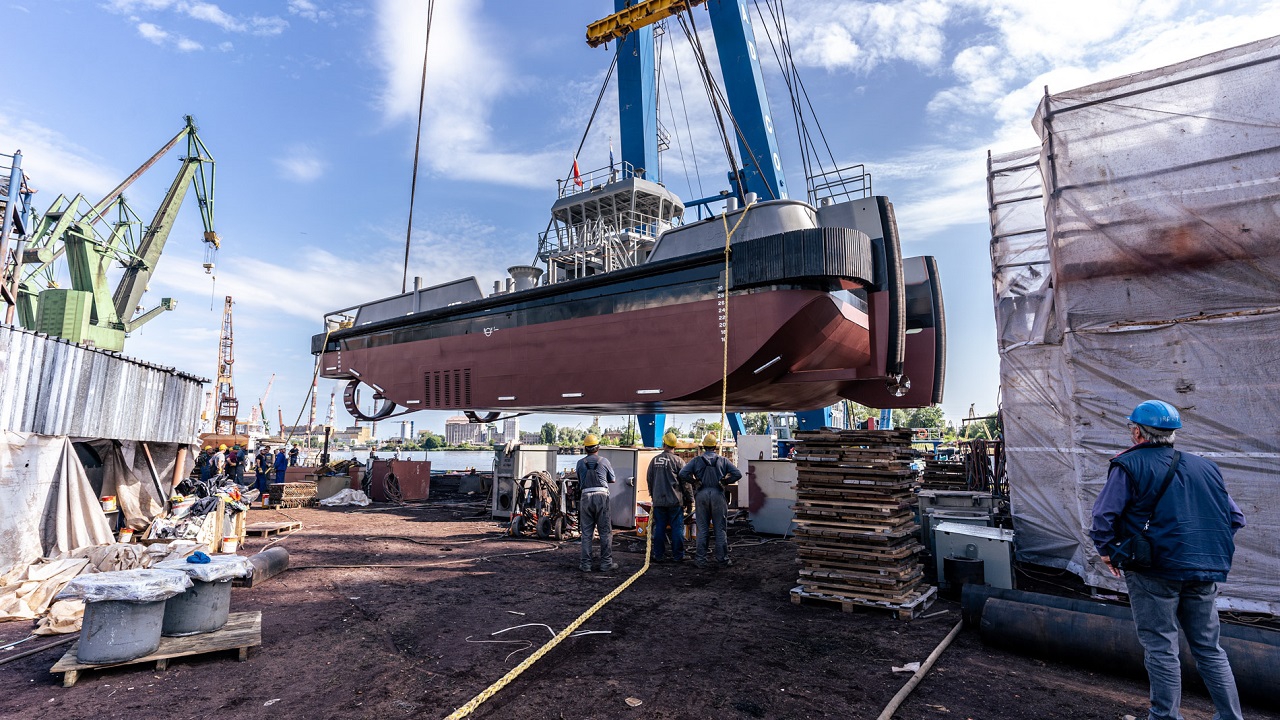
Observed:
{"x":616,"y":362}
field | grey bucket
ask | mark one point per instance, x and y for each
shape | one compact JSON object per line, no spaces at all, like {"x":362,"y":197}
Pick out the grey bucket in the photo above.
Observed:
{"x":116,"y":631}
{"x":202,"y":608}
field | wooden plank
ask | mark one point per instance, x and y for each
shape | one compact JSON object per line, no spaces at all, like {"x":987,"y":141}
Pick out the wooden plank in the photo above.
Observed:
{"x":242,"y":631}
{"x":264,"y":529}
{"x":907,"y":610}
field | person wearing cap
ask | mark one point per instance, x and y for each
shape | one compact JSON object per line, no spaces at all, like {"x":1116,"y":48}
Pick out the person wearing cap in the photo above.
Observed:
{"x":262,"y":469}
{"x":281,"y":465}
{"x":670,"y":495}
{"x":293,"y":455}
{"x":710,"y":473}
{"x":1179,"y":501}
{"x":219,"y":461}
{"x":235,"y":465}
{"x":204,"y":463}
{"x":594,"y":476}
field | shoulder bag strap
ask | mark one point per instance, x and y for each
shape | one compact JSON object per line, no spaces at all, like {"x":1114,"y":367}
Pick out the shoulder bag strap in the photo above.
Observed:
{"x":1164,"y":485}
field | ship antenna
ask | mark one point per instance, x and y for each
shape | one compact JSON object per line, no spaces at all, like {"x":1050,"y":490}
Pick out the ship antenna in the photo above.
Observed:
{"x":417,"y":146}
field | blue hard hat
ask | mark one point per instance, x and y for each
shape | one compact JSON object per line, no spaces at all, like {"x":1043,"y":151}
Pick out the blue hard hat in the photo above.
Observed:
{"x":1156,"y":414}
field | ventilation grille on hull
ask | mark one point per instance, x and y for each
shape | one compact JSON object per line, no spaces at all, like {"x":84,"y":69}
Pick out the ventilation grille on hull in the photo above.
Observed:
{"x":448,"y":388}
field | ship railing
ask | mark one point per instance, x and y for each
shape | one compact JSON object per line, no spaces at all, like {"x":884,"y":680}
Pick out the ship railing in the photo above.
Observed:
{"x":595,"y":179}
{"x":637,"y":228}
{"x":840,"y":185}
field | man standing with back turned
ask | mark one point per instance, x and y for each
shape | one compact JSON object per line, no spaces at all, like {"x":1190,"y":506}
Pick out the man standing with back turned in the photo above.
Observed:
{"x":711,"y":473}
{"x":594,"y":476}
{"x":666,"y":490}
{"x":1180,"y":503}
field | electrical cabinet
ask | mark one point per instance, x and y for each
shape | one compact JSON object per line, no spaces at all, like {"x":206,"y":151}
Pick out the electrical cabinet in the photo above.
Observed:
{"x":769,"y":494}
{"x":993,"y":546}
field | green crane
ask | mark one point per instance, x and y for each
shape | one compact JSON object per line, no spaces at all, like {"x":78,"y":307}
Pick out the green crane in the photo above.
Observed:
{"x":90,"y":311}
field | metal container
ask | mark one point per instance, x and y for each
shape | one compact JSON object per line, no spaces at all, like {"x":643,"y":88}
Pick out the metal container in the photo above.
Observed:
{"x":202,"y":608}
{"x":116,"y":631}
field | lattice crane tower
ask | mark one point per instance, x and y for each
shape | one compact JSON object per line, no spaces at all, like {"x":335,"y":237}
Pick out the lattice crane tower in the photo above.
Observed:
{"x":228,"y":406}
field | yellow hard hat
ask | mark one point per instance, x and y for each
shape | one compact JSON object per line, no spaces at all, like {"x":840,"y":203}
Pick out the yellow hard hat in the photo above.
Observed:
{"x":222,"y":447}
{"x":590,"y":440}
{"x":710,"y":441}
{"x":670,"y":439}
{"x":208,"y":447}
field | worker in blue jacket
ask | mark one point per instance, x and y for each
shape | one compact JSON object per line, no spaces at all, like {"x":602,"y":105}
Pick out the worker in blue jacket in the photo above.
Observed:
{"x":281,"y":464}
{"x":710,"y":473}
{"x":1191,"y":523}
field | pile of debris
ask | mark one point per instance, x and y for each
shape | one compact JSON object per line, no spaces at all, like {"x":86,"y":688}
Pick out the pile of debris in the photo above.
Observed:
{"x":855,"y":516}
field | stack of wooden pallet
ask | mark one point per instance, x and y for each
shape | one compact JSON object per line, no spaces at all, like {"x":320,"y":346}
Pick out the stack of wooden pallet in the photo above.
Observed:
{"x":296,"y":494}
{"x":944,"y":475}
{"x":856,"y":529}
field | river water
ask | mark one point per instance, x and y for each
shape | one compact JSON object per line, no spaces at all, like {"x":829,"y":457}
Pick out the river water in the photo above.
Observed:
{"x":481,"y":460}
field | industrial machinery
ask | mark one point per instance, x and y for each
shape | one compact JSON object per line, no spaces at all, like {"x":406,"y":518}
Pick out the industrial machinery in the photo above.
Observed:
{"x":90,"y":310}
{"x":544,"y":505}
{"x":224,"y":422}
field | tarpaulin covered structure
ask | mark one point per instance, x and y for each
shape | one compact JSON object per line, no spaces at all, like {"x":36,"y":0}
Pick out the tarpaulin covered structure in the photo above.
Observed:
{"x":1136,"y":255}
{"x":75,"y":423}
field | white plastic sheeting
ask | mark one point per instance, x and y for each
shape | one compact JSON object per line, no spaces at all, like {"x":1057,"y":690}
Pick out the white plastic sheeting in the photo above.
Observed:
{"x":219,"y":567}
{"x":46,"y":502}
{"x":146,"y":585}
{"x":1136,"y":255}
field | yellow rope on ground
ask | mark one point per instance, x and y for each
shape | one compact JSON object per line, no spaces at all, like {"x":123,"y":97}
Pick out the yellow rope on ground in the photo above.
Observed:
{"x":724,"y":365}
{"x":515,"y":672}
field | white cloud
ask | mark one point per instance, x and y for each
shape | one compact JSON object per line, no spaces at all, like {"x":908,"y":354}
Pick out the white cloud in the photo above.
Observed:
{"x":55,"y":164}
{"x":308,"y":10}
{"x":301,"y":164}
{"x":205,"y":12}
{"x":996,"y":76}
{"x":466,"y":75}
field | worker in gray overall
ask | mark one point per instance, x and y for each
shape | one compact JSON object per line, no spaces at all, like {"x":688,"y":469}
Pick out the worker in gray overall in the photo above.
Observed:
{"x":594,"y":476}
{"x":710,"y":474}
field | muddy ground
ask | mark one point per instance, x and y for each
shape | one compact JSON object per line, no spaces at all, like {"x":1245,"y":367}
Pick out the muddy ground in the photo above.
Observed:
{"x":392,"y":642}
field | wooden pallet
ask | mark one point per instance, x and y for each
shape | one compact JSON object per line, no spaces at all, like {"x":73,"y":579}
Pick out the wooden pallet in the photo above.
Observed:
{"x":263,"y":529}
{"x":242,"y":631}
{"x":908,"y":610}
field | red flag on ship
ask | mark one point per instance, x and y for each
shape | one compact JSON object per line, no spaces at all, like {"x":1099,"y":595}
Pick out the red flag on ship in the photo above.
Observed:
{"x":577,"y":180}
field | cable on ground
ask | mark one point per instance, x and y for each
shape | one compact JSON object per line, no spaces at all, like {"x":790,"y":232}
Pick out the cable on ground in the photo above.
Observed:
{"x":528,"y":662}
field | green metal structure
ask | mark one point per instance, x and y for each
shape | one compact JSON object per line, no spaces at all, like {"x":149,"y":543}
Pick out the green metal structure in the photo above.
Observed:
{"x":90,"y":310}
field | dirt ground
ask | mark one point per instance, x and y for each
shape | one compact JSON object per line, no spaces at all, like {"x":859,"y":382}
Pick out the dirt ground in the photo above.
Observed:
{"x":391,"y":642}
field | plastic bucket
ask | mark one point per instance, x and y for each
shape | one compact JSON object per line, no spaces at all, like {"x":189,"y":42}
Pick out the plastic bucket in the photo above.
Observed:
{"x":118,"y":631}
{"x":230,"y":545}
{"x":203,"y":608}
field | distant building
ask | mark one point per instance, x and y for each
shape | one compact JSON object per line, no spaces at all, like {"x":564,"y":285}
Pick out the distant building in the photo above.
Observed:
{"x":459,"y":430}
{"x":354,"y":435}
{"x":530,"y":438}
{"x":510,"y":431}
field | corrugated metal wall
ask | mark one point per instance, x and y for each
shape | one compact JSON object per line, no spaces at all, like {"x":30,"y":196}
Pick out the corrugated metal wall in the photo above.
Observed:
{"x":52,"y":387}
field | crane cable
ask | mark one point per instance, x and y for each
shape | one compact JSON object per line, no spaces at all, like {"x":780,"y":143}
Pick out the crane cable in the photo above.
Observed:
{"x":528,"y":662}
{"x":417,"y":147}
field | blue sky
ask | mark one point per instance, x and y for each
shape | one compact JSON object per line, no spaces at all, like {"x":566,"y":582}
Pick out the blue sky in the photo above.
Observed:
{"x":309,"y":108}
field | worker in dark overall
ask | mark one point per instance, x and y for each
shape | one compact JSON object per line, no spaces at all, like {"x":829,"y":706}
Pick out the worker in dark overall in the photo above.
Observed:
{"x":594,"y":476}
{"x":1178,"y":501}
{"x":711,"y":473}
{"x":293,"y":456}
{"x":669,"y":496}
{"x":262,"y":469}
{"x":204,"y":462}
